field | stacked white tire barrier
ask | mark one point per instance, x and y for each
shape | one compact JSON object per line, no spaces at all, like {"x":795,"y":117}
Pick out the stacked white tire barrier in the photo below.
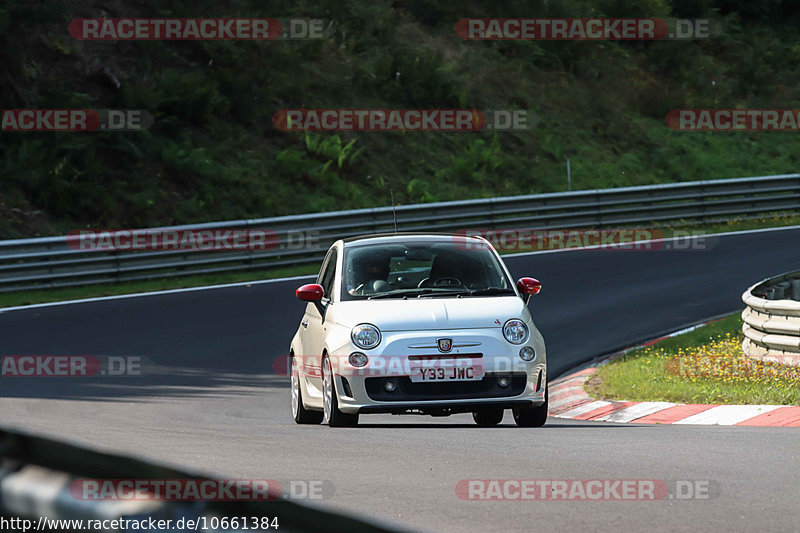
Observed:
{"x":772,"y":319}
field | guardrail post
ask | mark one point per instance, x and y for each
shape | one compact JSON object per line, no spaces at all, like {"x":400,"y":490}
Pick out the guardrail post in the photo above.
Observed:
{"x":598,"y":209}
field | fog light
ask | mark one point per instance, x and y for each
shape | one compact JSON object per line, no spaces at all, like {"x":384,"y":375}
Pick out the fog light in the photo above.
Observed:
{"x":358,"y":359}
{"x":527,"y":353}
{"x":503,"y":381}
{"x":390,"y":385}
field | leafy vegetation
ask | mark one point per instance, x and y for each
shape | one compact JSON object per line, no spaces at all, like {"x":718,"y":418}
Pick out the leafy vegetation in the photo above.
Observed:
{"x":703,"y":366}
{"x":214,"y":154}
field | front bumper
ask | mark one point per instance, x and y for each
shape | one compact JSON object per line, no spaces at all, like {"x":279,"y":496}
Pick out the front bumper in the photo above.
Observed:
{"x":446,"y":409}
{"x":409,"y":391}
{"x":368,"y":395}
{"x":363,"y":391}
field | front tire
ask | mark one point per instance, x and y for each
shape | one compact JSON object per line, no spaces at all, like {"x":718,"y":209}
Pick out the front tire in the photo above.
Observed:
{"x":331,"y":414}
{"x":532,"y":417}
{"x":488,"y":416}
{"x":300,"y":414}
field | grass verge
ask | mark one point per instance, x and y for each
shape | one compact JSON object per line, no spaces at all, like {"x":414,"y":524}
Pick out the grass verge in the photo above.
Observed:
{"x":703,"y":366}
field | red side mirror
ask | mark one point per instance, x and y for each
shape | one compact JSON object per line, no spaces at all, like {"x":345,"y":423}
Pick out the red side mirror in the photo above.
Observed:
{"x":529,"y":286}
{"x":312,"y":292}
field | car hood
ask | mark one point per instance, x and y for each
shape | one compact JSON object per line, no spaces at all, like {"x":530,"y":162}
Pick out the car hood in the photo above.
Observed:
{"x":431,"y":313}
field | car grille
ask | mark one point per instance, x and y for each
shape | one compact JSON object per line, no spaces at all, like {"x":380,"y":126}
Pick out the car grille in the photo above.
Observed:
{"x":407,"y":390}
{"x":449,"y":355}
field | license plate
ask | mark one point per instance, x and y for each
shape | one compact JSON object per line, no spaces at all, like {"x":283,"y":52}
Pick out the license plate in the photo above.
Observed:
{"x":447,"y":373}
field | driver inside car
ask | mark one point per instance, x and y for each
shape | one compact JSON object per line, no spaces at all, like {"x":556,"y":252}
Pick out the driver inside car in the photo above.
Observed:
{"x":452,"y":269}
{"x":369,"y":274}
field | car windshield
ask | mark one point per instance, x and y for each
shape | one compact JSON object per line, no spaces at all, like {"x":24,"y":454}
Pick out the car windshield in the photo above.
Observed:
{"x":421,"y":269}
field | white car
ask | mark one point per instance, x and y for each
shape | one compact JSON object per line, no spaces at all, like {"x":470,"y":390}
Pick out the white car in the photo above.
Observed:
{"x":417,"y":324}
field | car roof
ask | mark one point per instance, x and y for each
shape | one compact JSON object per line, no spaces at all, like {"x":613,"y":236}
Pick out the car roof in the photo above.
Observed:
{"x":385,"y":238}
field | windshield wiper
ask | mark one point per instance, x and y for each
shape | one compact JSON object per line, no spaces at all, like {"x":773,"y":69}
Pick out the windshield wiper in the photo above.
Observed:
{"x":402,"y":294}
{"x":491,"y":291}
{"x":434,"y":293}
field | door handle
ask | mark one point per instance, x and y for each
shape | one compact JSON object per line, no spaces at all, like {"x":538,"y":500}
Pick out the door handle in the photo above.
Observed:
{"x":304,"y":323}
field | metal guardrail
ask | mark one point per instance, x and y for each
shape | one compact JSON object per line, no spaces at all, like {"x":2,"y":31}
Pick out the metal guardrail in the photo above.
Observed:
{"x":50,"y":262}
{"x":771,"y":319}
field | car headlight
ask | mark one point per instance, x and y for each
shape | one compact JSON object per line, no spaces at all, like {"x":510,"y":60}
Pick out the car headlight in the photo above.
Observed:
{"x":515,"y":331}
{"x":365,"y":336}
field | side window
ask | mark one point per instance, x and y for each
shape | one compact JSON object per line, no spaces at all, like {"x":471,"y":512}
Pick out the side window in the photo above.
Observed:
{"x":329,"y":274}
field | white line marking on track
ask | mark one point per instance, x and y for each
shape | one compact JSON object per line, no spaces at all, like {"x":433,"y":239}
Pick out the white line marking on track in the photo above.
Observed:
{"x":564,"y":401}
{"x":635,"y":411}
{"x":584,"y":409}
{"x":727,"y":415}
{"x":156,"y":293}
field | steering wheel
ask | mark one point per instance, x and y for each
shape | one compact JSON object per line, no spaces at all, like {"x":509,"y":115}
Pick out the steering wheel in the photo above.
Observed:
{"x":440,"y":282}
{"x":447,"y":282}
